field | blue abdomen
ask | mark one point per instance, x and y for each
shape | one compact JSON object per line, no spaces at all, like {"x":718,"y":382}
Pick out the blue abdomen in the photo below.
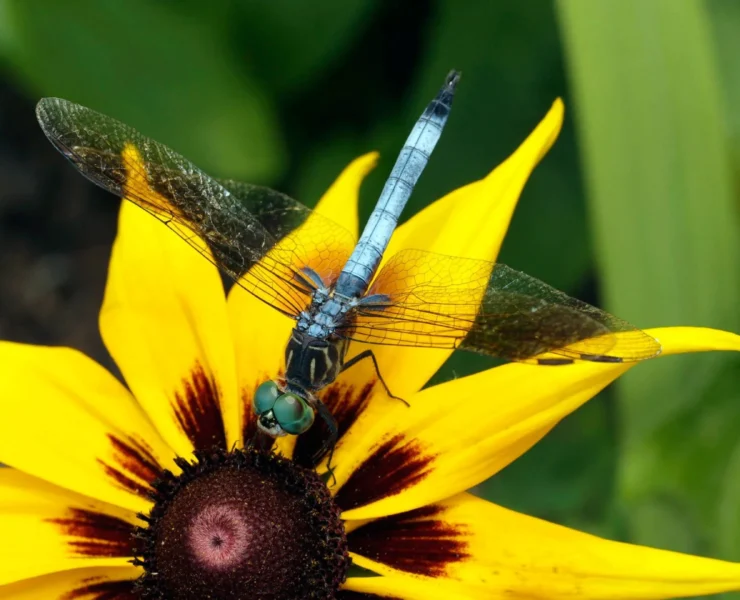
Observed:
{"x":360,"y":268}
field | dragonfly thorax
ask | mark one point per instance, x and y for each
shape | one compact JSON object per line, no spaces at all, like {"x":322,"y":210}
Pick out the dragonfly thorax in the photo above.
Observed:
{"x":312,"y":363}
{"x":324,"y":315}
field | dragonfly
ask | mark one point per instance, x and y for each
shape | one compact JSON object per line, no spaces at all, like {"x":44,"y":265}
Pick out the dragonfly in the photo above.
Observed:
{"x":337,"y":289}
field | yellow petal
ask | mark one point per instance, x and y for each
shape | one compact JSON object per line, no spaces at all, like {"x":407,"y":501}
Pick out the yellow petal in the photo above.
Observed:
{"x":457,"y":434}
{"x":470,"y":222}
{"x":84,"y":584}
{"x":164,"y":322}
{"x":680,"y":340}
{"x":45,"y":528}
{"x":67,"y":420}
{"x":403,"y":587}
{"x":341,"y":200}
{"x":495,"y":552}
{"x":260,"y":332}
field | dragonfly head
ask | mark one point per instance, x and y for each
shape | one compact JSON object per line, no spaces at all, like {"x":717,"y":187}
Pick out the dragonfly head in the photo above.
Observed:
{"x":280,"y":413}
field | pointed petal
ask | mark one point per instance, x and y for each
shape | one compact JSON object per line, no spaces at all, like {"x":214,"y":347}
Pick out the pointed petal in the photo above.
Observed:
{"x":341,"y":200}
{"x":260,"y":332}
{"x":496,"y":552}
{"x":470,"y":222}
{"x":457,"y":434}
{"x":401,"y":587}
{"x":67,"y":420}
{"x":93,"y":583}
{"x":46,"y":528}
{"x":164,"y":322}
{"x":681,"y":340}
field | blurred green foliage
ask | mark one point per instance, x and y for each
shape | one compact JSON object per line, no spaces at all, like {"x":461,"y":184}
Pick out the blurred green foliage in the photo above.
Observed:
{"x":151,"y":65}
{"x":288,"y":93}
{"x":656,"y":147}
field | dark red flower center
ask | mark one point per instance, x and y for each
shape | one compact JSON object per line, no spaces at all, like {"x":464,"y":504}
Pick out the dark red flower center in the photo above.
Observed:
{"x":218,"y":536}
{"x":242,"y":524}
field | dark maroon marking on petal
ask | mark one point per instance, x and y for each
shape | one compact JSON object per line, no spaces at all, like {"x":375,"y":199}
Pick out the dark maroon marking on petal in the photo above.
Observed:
{"x":346,"y":403}
{"x":136,"y":467}
{"x":249,"y":422}
{"x":198,"y":411}
{"x":94,"y":589}
{"x":347,"y":595}
{"x":392,"y":467}
{"x":251,"y":435}
{"x":95,"y":534}
{"x":419,"y":541}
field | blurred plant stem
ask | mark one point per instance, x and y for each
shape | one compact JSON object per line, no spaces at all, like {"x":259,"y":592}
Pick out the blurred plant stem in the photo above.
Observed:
{"x":656,"y":159}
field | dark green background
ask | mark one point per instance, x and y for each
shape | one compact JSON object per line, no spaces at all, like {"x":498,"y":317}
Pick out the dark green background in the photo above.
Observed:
{"x":634,"y":209}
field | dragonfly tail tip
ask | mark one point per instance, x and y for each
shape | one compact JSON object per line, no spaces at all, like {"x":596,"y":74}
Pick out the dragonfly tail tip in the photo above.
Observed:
{"x":452,"y":79}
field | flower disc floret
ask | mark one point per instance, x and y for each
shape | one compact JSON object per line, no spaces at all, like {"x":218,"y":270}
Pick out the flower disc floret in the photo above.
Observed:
{"x":241,"y":524}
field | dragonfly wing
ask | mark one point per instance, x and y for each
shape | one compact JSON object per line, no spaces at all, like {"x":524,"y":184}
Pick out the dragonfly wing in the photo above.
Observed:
{"x":431,"y":300}
{"x":211,"y":217}
{"x":307,"y":239}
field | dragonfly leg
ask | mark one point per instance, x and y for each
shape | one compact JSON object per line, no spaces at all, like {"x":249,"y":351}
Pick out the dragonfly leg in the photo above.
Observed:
{"x":331,"y":442}
{"x":260,"y":441}
{"x":369,"y":354}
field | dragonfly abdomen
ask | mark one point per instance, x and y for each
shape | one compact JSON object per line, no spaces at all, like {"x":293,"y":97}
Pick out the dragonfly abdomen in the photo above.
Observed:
{"x":414,"y":156}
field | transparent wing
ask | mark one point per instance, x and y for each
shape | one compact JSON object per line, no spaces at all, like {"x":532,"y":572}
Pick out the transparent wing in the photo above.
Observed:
{"x":431,"y":300}
{"x":250,"y":232}
{"x":307,"y":239}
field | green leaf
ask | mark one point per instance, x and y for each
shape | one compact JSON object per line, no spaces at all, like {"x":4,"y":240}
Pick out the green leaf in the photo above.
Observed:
{"x":656,"y":160}
{"x":159,"y":69}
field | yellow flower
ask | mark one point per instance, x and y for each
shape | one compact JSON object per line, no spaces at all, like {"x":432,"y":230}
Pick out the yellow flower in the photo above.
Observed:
{"x":84,"y":452}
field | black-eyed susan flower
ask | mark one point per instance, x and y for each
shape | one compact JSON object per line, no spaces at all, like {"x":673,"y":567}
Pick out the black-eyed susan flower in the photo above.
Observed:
{"x":120,"y":492}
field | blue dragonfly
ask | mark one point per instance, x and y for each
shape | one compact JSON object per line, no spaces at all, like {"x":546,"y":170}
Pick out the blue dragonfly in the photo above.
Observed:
{"x":314,"y":271}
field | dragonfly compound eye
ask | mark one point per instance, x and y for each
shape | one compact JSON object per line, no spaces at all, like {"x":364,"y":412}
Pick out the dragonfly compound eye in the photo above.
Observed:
{"x":265,"y":396}
{"x":293,"y":414}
